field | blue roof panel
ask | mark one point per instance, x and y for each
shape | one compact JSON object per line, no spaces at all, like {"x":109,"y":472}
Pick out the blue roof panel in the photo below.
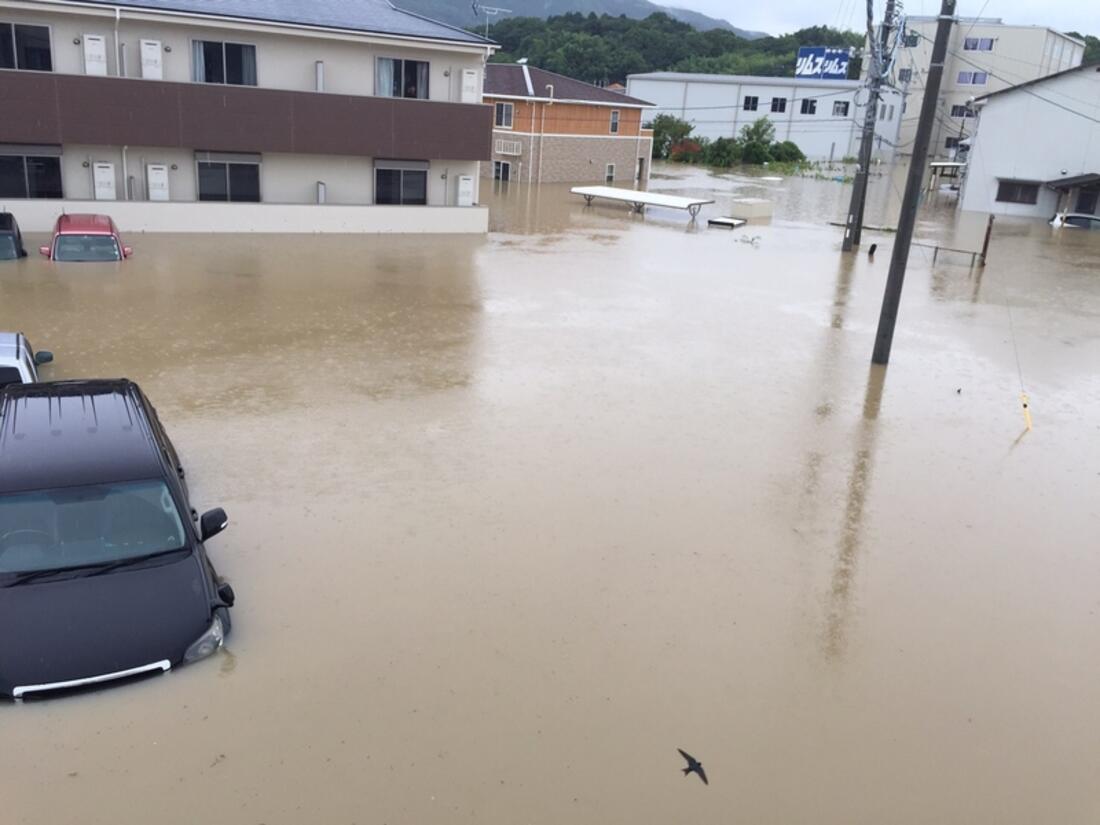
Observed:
{"x":368,"y":16}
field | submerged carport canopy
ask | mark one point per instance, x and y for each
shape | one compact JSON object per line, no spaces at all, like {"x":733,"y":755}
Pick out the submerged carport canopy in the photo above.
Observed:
{"x":1077,"y":180}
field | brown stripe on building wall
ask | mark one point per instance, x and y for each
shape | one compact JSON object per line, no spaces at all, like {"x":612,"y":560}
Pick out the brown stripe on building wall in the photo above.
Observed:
{"x":573,"y":118}
{"x":109,"y":111}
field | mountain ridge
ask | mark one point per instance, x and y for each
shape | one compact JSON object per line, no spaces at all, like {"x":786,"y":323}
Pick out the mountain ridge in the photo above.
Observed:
{"x":460,"y":13}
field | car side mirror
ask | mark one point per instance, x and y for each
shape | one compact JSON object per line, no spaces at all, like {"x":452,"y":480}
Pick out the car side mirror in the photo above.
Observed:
{"x":213,"y":522}
{"x":43,"y":357}
{"x":127,"y":251}
{"x":45,"y":250}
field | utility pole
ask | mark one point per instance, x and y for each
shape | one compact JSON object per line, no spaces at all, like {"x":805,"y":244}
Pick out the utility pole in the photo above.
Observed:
{"x":908,"y":218}
{"x":876,"y":73}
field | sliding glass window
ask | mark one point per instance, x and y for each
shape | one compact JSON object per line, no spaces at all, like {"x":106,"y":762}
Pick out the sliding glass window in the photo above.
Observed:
{"x":27,"y":175}
{"x":25,"y":47}
{"x":229,"y":178}
{"x":401,"y":78}
{"x":216,"y":62}
{"x":402,"y":183}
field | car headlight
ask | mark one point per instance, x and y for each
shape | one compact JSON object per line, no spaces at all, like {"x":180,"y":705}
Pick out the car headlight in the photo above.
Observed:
{"x":207,"y":643}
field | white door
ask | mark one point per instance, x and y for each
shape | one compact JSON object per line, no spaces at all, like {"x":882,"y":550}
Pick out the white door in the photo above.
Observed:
{"x":470,"y":92}
{"x":103,"y":179}
{"x":465,"y":190}
{"x":95,"y":54}
{"x":156,"y":180}
{"x":151,"y":66}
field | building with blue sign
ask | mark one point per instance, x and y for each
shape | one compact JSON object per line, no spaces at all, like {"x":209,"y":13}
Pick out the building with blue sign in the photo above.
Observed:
{"x":823,"y":117}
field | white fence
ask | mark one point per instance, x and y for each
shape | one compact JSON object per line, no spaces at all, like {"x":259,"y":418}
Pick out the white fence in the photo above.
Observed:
{"x":142,"y":216}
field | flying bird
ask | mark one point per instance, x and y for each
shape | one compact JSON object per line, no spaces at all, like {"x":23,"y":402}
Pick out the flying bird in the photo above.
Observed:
{"x":694,"y":766}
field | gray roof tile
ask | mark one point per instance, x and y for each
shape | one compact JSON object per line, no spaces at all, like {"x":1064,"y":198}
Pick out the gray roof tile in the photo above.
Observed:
{"x":368,"y":16}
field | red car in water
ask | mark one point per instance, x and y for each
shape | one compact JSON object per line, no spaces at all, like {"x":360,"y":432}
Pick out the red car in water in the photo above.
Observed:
{"x":86,"y":238}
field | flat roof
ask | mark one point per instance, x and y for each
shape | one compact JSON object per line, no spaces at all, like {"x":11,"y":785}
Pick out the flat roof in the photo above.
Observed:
{"x":364,"y":16}
{"x":73,"y":433}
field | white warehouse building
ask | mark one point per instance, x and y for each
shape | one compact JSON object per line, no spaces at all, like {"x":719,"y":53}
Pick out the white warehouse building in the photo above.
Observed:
{"x":823,"y":117}
{"x":1037,"y":148}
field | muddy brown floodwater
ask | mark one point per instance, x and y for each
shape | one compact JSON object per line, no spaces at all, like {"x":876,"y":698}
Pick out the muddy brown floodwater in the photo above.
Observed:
{"x":513,"y":518}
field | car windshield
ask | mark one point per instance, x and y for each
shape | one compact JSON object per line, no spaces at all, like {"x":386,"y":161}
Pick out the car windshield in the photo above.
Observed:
{"x":8,"y":252}
{"x":81,"y":526}
{"x":86,"y":248}
{"x":10,"y":375}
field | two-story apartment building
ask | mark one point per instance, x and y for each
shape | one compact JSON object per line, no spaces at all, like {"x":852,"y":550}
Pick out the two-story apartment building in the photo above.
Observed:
{"x":548,"y":128}
{"x":984,"y":55}
{"x":240,"y":101}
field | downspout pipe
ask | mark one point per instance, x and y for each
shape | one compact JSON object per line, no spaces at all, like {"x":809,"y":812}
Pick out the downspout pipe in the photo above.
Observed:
{"x":542,"y":128}
{"x":118,"y":52}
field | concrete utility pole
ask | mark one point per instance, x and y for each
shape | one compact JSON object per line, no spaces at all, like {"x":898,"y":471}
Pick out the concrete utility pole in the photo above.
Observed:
{"x":908,"y":218}
{"x":876,"y":73}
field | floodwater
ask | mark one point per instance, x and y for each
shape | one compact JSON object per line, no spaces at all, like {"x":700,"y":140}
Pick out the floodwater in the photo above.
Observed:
{"x":513,"y":518}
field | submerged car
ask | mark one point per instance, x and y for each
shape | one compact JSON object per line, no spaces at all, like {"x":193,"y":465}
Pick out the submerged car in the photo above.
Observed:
{"x":1079,"y":220}
{"x":11,"y":240}
{"x":103,"y":572}
{"x":18,"y":362}
{"x":86,"y":238}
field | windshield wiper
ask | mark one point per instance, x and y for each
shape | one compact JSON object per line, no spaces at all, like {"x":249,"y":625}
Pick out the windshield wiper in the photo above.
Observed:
{"x":85,"y":570}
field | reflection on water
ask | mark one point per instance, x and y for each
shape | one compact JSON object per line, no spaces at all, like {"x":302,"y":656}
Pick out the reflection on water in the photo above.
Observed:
{"x":495,"y":500}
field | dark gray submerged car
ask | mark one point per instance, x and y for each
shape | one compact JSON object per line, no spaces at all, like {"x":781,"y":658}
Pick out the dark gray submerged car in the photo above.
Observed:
{"x":103,"y":572}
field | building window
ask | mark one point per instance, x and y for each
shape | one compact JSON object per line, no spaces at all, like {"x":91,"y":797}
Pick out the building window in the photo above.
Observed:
{"x":25,"y":47}
{"x":809,"y":106}
{"x":504,"y":113}
{"x":840,"y":108}
{"x":502,"y":170}
{"x":402,"y":183}
{"x":973,"y":78}
{"x":961,"y":110}
{"x":882,"y":111}
{"x":751,"y":102}
{"x":912,"y":40}
{"x":401,"y":78}
{"x":905,"y":75}
{"x":29,"y":175}
{"x":229,"y":178}
{"x":779,"y":104}
{"x":978,"y":44}
{"x":951,"y":143}
{"x":609,"y":173}
{"x":614,"y":121}
{"x":890,"y":113}
{"x":216,"y":62}
{"x":1011,"y":191}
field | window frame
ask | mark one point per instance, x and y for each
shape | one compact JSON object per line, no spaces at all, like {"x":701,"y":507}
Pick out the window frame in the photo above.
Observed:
{"x":609,"y":173}
{"x":841,"y":108}
{"x":402,"y":167}
{"x":402,"y":61}
{"x":905,"y":75}
{"x":12,"y":24}
{"x":912,"y":39}
{"x":809,"y":106}
{"x":25,"y":156}
{"x":616,"y":117}
{"x":781,"y":108}
{"x":1022,"y":186}
{"x":499,"y":107}
{"x":979,"y":44}
{"x":751,"y":103}
{"x":225,"y":63}
{"x":961,"y":110}
{"x":226,"y":162}
{"x":498,"y":171}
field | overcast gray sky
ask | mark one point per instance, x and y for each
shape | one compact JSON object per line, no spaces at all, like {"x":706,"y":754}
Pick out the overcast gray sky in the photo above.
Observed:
{"x":781,"y":16}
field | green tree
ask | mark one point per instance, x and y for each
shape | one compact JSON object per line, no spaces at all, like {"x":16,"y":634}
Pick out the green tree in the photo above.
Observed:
{"x":667,"y":132}
{"x":756,"y":141}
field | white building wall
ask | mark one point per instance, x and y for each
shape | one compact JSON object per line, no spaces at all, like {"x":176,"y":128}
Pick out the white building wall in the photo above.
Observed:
{"x":284,"y":59}
{"x":1022,"y":137}
{"x":1020,"y":54}
{"x":715,"y":106}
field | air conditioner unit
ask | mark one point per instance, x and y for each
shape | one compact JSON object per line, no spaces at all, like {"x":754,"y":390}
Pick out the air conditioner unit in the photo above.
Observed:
{"x":509,"y":147}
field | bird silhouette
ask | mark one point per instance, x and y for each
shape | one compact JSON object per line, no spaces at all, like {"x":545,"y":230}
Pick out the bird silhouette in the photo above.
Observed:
{"x":694,"y":766}
{"x":871,"y":251}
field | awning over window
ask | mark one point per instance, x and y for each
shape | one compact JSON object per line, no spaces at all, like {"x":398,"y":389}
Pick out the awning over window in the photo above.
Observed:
{"x":1076,"y":180}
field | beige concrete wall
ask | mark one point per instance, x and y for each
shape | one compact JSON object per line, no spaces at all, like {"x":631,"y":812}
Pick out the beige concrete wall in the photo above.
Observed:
{"x":284,"y":59}
{"x":135,"y":217}
{"x":289,"y":179}
{"x":573,"y":159}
